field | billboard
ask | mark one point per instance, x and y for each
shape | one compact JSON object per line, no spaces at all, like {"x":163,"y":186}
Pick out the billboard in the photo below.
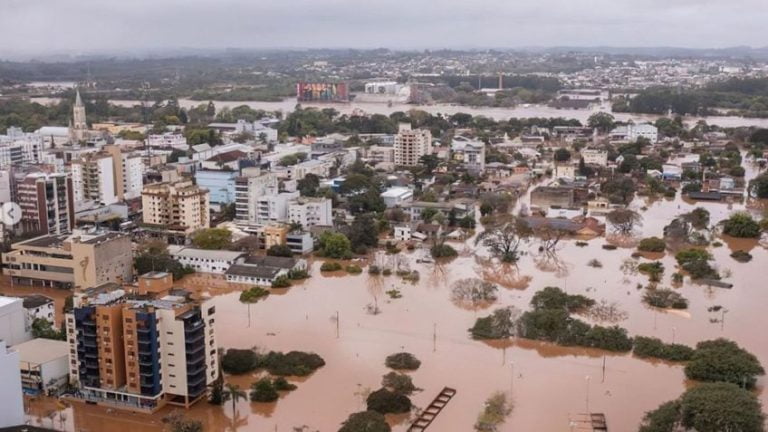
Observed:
{"x":322,"y":92}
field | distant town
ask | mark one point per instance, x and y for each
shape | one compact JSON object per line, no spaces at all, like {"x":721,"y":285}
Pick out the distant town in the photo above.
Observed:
{"x":354,"y":241}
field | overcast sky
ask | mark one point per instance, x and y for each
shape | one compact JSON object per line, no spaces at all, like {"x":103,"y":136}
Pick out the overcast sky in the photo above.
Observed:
{"x":83,"y":26}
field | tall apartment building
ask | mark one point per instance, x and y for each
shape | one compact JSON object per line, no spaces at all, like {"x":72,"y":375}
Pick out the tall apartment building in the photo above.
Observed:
{"x":46,"y":201}
{"x":309,"y":212}
{"x":83,"y":259}
{"x":128,"y":172}
{"x":17,"y":147}
{"x":177,"y":206}
{"x":273,"y":208}
{"x":411,"y":145}
{"x":470,"y":153}
{"x":93,"y":178}
{"x":142,"y":350}
{"x":251,"y":186}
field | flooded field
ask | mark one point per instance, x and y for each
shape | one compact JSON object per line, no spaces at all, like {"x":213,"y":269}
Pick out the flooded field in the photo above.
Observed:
{"x":550,"y":384}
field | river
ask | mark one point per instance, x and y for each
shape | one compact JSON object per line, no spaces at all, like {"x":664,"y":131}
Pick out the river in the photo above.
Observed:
{"x":521,"y":111}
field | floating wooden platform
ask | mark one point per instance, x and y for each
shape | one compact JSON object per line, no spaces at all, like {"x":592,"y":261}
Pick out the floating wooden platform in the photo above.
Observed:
{"x":592,"y":422}
{"x":430,"y":413}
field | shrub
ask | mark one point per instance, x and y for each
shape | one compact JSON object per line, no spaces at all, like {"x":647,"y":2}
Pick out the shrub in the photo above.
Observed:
{"x":723,"y":360}
{"x":648,"y":347}
{"x":665,"y":298}
{"x":366,"y":421}
{"x":238,"y":361}
{"x":652,"y":244}
{"x":741,"y":256}
{"x":281,"y":281}
{"x":297,"y":274}
{"x":293,"y":363}
{"x":499,"y":325}
{"x":253,"y":294}
{"x":282,"y":384}
{"x":394,"y":294}
{"x":388,"y":402}
{"x":555,"y":298}
{"x":609,"y":247}
{"x":387,"y":272}
{"x":741,"y":225}
{"x":494,"y":413}
{"x":353,"y":269}
{"x":594,"y":262}
{"x":654,"y":270}
{"x":279,"y":251}
{"x":720,"y":407}
{"x":330,"y":266}
{"x":443,"y":251}
{"x":474,"y":291}
{"x":402,"y":361}
{"x":695,"y":262}
{"x":373,"y":269}
{"x":612,"y":338}
{"x":398,"y":382}
{"x":263,"y":391}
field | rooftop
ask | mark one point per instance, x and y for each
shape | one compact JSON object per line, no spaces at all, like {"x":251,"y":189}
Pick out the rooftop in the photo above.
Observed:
{"x":36,"y":300}
{"x":218,"y":255}
{"x":41,"y":351}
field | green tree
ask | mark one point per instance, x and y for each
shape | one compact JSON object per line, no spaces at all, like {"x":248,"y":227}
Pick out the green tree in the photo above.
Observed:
{"x":263,"y":391}
{"x":388,"y":402}
{"x":365,"y":421}
{"x":232,"y":392}
{"x":601,"y":121}
{"x":238,"y":361}
{"x":721,"y":407}
{"x":212,"y":238}
{"x":741,"y":225}
{"x":279,"y":251}
{"x":723,"y":360}
{"x":334,"y":245}
{"x":562,"y":155}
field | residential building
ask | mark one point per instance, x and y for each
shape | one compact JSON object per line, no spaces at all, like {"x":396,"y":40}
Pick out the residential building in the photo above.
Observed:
{"x":205,"y":261}
{"x":44,"y":365}
{"x":249,"y":187}
{"x":411,"y":145}
{"x":168,"y":140}
{"x":225,"y":161}
{"x":595,"y":156}
{"x":397,"y":196}
{"x":128,"y":171}
{"x":176,"y":206}
{"x":93,"y":179}
{"x":470,"y":153}
{"x":18,"y":147}
{"x":38,"y":306}
{"x":47,"y":203}
{"x":546,"y":197}
{"x":273,"y":208}
{"x":632,"y":132}
{"x":263,"y":270}
{"x":13,"y":329}
{"x":220,"y":184}
{"x":380,"y":154}
{"x":273,"y":235}
{"x":145,"y":350}
{"x":300,"y":242}
{"x":309,"y":212}
{"x":11,"y":398}
{"x":403,"y":232}
{"x":460,"y":208}
{"x":83,"y":259}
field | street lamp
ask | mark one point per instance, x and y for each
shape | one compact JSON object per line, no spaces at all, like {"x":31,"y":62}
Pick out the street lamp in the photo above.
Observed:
{"x":588,"y":378}
{"x":673,"y":334}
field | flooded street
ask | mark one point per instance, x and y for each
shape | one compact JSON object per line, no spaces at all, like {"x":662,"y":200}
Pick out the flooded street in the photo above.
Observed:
{"x":550,"y":384}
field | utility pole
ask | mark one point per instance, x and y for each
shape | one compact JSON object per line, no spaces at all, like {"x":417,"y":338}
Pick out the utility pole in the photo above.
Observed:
{"x":434,"y":337}
{"x":588,"y":378}
{"x":337,"y":324}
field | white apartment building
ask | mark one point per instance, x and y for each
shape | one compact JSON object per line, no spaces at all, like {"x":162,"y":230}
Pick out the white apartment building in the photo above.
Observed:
{"x":93,"y":179}
{"x":178,"y":206}
{"x":17,"y":146}
{"x":380,"y":154}
{"x":320,"y":168}
{"x":251,"y":186}
{"x":309,"y":212}
{"x":205,"y":261}
{"x":38,"y":307}
{"x":13,"y":328}
{"x":168,"y":139}
{"x":632,"y":132}
{"x":470,"y":153}
{"x":411,"y":145}
{"x":11,"y":399}
{"x":595,"y":156}
{"x":273,"y":208}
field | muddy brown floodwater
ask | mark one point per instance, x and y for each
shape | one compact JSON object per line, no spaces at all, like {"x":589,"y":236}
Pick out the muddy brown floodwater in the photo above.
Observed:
{"x":549,"y":383}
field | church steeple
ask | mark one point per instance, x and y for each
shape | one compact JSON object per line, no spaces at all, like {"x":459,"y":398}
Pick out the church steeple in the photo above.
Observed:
{"x":79,"y":126}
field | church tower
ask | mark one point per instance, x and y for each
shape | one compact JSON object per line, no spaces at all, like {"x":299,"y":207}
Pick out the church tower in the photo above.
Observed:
{"x":79,"y":126}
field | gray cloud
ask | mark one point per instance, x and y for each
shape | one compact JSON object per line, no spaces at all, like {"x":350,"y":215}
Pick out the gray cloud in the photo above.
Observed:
{"x":48,"y":26}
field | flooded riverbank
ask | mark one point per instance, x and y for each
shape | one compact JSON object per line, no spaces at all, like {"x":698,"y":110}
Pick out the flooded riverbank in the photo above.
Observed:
{"x":521,"y":111}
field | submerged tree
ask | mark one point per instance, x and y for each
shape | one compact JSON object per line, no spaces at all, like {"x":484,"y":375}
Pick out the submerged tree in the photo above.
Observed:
{"x":504,"y":240}
{"x":624,"y":221}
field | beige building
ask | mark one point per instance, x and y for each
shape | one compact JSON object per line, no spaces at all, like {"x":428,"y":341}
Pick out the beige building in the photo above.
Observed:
{"x":411,"y":145}
{"x":128,"y":172}
{"x":93,"y":179}
{"x":178,"y":206}
{"x":83,"y":259}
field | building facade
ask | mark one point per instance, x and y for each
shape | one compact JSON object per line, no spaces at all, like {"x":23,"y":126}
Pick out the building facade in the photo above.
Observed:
{"x":411,"y":145}
{"x":309,"y":212}
{"x":178,"y":206}
{"x":47,"y":203}
{"x":93,"y":179}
